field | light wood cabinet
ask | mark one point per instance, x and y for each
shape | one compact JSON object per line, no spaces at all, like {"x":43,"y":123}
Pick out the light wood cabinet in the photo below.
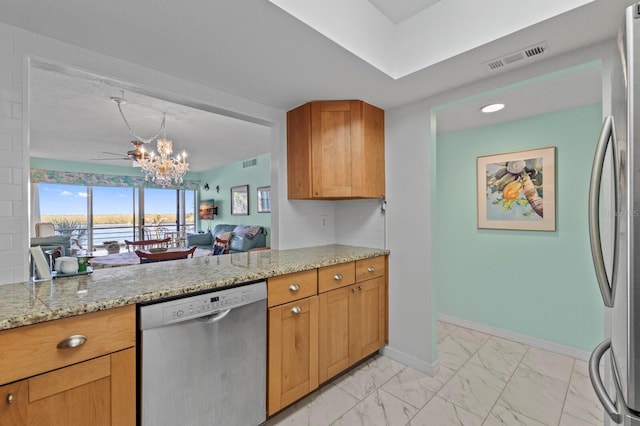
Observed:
{"x":335,"y":150}
{"x":91,"y":383}
{"x":292,"y":341}
{"x":352,"y":324}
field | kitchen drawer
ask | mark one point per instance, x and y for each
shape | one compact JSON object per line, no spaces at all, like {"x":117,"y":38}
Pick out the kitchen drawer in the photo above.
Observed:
{"x":370,"y":268}
{"x":290,"y":287}
{"x":30,"y":350}
{"x":336,"y":276}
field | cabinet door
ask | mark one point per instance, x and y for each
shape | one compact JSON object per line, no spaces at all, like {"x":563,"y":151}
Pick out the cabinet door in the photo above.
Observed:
{"x":333,"y":125}
{"x":366,"y":318}
{"x":100,"y":391}
{"x":293,"y":352}
{"x":14,"y":399}
{"x":333,"y":332}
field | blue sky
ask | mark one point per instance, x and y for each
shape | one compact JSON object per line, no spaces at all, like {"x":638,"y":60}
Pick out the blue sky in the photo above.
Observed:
{"x":58,"y":199}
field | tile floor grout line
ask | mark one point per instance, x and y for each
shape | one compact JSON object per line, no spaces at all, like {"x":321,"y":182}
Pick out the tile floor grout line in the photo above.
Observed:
{"x":507,"y":384}
{"x":566,"y":394}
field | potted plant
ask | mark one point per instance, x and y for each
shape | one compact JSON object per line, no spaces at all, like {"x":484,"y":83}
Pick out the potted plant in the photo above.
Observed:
{"x":112,"y":247}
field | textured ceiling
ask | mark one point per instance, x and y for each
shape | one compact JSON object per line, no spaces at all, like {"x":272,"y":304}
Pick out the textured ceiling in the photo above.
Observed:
{"x":75,"y":119}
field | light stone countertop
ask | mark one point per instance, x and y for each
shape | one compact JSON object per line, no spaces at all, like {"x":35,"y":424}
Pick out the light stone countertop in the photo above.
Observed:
{"x":31,"y":303}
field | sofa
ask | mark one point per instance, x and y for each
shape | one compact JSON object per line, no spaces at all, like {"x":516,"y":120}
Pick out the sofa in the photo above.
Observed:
{"x":243,"y":237}
{"x":50,"y":243}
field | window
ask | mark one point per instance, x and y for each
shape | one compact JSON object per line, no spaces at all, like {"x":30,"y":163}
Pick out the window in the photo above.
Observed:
{"x":66,"y":207}
{"x":96,"y":214}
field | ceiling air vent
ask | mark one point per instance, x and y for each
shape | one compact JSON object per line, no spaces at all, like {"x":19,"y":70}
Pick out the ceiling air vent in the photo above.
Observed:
{"x":526,"y":53}
{"x":249,"y":163}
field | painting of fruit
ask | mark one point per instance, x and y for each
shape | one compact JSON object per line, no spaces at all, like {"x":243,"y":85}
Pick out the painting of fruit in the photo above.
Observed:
{"x":517,"y":190}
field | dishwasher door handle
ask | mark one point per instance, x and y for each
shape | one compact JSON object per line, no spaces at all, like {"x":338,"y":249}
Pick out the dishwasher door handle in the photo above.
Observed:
{"x":208,"y":319}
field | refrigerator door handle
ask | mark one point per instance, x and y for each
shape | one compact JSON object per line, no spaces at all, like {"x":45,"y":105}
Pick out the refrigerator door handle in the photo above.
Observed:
{"x":598,"y":385}
{"x":606,"y":286}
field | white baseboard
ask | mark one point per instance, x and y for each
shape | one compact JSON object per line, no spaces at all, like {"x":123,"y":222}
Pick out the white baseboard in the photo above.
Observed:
{"x":516,"y":337}
{"x":428,"y":368}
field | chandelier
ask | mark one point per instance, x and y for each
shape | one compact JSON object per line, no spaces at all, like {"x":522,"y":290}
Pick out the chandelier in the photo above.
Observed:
{"x":163,"y":168}
{"x":160,"y":169}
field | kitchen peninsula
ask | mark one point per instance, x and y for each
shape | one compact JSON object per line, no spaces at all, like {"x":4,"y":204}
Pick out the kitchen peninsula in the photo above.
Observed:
{"x":109,"y":297}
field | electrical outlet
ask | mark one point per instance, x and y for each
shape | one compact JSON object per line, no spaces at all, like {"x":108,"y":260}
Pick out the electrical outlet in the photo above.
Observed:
{"x":323,"y":221}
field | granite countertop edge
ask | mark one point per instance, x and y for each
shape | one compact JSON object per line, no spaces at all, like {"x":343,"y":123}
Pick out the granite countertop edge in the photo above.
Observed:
{"x":32,"y":303}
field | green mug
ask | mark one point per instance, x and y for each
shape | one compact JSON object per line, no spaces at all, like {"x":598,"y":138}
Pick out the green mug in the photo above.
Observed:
{"x":82,"y":264}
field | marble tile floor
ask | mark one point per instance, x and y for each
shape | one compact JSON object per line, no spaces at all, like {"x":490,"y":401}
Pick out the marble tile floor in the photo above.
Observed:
{"x":483,"y":380}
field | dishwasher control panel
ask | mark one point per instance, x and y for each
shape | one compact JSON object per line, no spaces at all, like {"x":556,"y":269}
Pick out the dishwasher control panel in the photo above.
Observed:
{"x":208,"y":305}
{"x":191,"y":307}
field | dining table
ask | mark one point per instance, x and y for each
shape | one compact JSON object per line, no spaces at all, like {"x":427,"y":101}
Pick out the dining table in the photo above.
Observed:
{"x":130,"y":258}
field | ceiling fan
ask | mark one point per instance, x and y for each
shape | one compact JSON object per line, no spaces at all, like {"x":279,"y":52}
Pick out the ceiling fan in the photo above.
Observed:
{"x":134,"y":154}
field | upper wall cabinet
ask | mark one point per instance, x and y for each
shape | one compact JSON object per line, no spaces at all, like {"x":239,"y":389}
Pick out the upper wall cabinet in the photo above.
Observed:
{"x":335,"y":150}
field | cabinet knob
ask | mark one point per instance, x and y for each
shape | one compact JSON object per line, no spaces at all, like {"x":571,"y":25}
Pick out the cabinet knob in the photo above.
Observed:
{"x":10,"y":398}
{"x":371,"y":269}
{"x":294,"y":287}
{"x":296,"y":310}
{"x":353,"y":290}
{"x":72,"y":342}
{"x":337,"y":277}
{"x":359,"y":288}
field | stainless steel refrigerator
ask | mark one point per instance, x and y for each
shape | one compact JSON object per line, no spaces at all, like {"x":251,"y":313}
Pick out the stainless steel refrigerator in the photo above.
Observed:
{"x":620,"y":281}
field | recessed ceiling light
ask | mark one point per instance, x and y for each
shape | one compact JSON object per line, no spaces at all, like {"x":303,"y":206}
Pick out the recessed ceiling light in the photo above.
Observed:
{"x":491,"y":108}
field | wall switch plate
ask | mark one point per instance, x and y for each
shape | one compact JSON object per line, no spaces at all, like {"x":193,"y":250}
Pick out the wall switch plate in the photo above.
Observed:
{"x":323,"y":221}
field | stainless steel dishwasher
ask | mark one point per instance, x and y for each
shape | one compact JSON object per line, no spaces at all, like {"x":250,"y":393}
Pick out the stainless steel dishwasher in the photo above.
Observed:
{"x":202,"y":359}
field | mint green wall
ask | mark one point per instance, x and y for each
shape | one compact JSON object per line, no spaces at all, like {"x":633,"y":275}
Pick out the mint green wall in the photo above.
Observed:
{"x":235,"y":175}
{"x":540,"y":284}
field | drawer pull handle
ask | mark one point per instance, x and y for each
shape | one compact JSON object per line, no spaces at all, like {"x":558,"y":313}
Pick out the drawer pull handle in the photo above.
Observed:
{"x":296,"y":310}
{"x":371,"y":269}
{"x":10,"y":398}
{"x":337,"y":277}
{"x":294,"y":287}
{"x":72,"y":342}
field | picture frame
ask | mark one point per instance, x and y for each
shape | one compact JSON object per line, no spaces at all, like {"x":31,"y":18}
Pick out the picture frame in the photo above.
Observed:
{"x":264,"y":199}
{"x":516,"y":190}
{"x":240,"y":200}
{"x":206,"y":210}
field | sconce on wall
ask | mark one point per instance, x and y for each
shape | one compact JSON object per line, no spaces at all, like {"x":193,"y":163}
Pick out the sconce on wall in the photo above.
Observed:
{"x":217,"y":188}
{"x":206,"y":186}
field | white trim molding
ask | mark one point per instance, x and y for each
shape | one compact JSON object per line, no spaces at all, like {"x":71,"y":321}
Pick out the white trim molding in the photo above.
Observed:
{"x":428,"y":368}
{"x":517,"y":337}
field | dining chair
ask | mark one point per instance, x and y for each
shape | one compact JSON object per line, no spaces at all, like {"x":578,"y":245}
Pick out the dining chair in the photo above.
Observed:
{"x":148,"y":257}
{"x":221,"y":246}
{"x":146,"y":244}
{"x":45,"y":229}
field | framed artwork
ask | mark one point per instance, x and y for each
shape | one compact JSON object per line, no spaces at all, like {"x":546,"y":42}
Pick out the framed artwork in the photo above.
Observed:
{"x":240,"y":200}
{"x":205,"y":210}
{"x":264,"y":199}
{"x":516,"y":190}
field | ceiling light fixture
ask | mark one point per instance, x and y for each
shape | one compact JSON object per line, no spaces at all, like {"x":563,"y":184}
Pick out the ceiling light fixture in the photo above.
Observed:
{"x":163,"y":168}
{"x":492,"y":108}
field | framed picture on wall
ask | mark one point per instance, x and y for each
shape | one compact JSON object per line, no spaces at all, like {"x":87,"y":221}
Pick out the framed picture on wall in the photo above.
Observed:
{"x":205,"y":210}
{"x":240,"y":200}
{"x":516,"y":190}
{"x":264,"y":199}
